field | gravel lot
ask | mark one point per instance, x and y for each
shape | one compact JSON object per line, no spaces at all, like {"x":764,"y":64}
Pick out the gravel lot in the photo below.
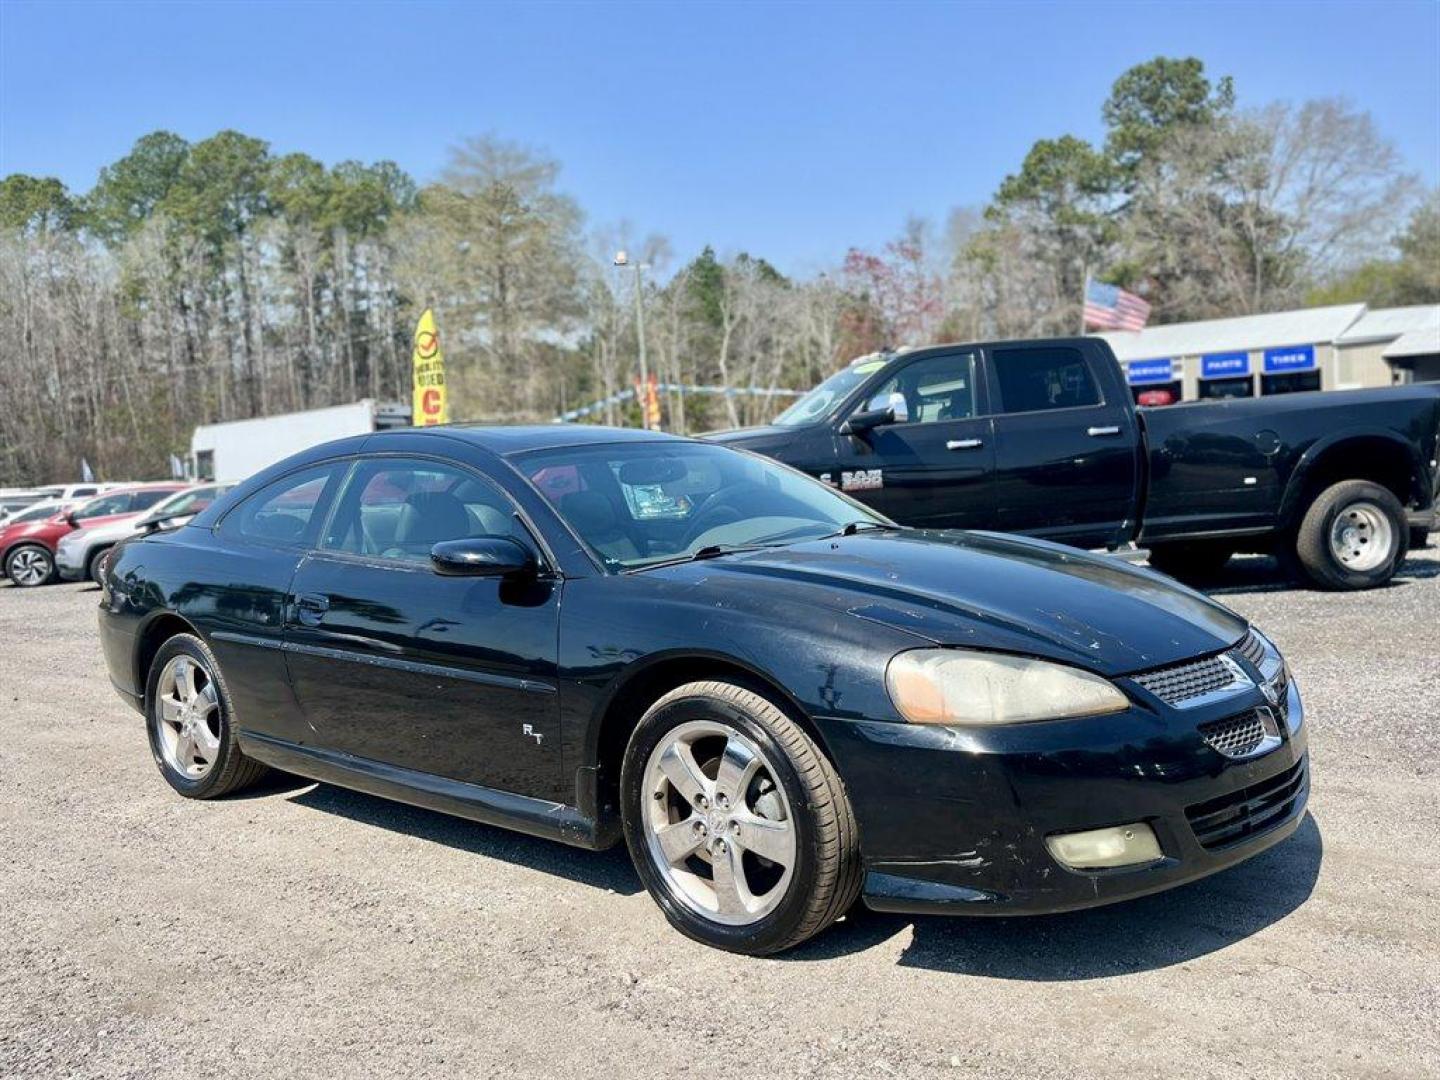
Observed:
{"x":306,"y":931}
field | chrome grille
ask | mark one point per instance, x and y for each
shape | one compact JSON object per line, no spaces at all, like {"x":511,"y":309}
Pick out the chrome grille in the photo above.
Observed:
{"x":1251,"y":648}
{"x":1250,"y":811}
{"x":1174,"y":685}
{"x":1240,"y":736}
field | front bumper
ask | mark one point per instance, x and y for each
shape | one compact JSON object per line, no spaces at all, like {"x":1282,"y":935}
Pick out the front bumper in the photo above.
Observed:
{"x":70,"y":562}
{"x":955,"y":821}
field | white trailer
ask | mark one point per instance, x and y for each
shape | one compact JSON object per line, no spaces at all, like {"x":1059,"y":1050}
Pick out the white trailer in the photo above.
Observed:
{"x":227,"y":453}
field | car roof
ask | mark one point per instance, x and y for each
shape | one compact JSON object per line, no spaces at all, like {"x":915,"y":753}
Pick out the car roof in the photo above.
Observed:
{"x":505,"y":440}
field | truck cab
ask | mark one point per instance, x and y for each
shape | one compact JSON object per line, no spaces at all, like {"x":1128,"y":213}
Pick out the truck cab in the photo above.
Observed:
{"x":989,"y":436}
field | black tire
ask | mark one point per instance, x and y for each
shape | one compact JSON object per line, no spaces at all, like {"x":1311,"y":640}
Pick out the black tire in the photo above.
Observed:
{"x":231,"y":770}
{"x":1196,"y":560}
{"x":826,"y":878}
{"x":35,"y":555}
{"x":95,"y":568}
{"x":1312,"y":541}
{"x":1419,"y":537}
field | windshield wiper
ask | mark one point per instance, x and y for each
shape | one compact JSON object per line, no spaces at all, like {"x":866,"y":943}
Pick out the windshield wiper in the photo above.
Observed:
{"x":853,"y":527}
{"x":709,"y":551}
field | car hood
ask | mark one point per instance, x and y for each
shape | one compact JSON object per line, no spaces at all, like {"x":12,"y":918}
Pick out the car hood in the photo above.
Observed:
{"x":991,"y":591}
{"x":105,"y":529}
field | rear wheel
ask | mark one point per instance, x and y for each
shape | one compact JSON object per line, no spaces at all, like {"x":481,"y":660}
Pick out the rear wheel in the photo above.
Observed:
{"x":1419,"y":537}
{"x":1353,"y":536}
{"x":189,"y":721}
{"x":1190,"y":560}
{"x":739,"y":826}
{"x":30,"y":565}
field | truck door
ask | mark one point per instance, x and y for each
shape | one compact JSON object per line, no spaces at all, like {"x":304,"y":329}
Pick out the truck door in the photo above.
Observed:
{"x":1066,"y":457}
{"x":933,"y":466}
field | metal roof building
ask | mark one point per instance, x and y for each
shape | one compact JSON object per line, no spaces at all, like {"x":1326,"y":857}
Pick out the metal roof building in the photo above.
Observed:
{"x":1337,"y":347}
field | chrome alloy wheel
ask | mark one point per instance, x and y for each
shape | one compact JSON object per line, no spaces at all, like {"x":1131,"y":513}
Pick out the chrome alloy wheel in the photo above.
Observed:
{"x":189,"y":717}
{"x":30,"y":566}
{"x":1361,"y":537}
{"x":717,"y":823}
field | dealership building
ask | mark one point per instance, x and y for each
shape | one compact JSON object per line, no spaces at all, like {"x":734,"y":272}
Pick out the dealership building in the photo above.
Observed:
{"x":1342,"y":347}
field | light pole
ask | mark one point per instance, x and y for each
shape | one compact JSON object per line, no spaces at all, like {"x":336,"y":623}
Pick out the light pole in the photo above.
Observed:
{"x":623,"y":259}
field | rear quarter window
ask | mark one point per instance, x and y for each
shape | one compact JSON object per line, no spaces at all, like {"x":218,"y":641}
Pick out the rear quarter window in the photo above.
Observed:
{"x":1053,"y":377}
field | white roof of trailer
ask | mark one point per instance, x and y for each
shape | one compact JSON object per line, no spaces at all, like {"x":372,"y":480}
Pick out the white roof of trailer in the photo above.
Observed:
{"x":1385,"y":324}
{"x":1308,"y":326}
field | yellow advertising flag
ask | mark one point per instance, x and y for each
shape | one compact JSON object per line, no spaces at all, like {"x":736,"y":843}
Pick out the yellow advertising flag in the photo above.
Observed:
{"x":428,"y":366}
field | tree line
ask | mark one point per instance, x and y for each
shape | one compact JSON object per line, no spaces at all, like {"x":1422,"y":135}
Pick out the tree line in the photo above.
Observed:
{"x":218,"y":280}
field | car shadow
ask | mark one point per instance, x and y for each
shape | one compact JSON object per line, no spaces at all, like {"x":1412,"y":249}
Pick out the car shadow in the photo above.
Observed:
{"x":1264,"y":573}
{"x":609,"y":870}
{"x":1152,"y":932}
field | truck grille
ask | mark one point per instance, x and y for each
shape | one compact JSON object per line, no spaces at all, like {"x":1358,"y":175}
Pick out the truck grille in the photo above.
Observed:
{"x":1250,"y":811}
{"x":1240,"y":736}
{"x":1173,"y":685}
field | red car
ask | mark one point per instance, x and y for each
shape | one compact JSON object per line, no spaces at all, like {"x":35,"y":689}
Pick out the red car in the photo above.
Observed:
{"x":27,"y":549}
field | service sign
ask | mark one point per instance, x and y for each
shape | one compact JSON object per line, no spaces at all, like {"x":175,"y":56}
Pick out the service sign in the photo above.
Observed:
{"x":1222,"y":365}
{"x":1139,"y":372}
{"x":1290,"y":358}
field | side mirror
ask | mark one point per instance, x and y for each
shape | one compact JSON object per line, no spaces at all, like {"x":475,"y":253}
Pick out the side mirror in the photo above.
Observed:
{"x":889,"y":408}
{"x":72,"y":520}
{"x":866,"y":419}
{"x":482,"y":556}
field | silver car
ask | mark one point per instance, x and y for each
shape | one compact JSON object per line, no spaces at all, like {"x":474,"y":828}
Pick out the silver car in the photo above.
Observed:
{"x":82,"y":553}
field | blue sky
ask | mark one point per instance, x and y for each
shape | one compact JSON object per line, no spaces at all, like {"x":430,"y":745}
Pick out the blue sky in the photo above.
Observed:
{"x":792,"y":131}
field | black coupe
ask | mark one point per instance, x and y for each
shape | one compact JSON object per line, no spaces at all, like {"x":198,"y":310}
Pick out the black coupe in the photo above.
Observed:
{"x":780,"y":699}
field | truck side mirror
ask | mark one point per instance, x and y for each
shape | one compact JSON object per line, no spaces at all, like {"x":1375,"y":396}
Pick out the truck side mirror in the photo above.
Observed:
{"x":889,"y":408}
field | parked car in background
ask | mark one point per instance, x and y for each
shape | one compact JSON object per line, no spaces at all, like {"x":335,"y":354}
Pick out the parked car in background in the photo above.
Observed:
{"x":35,"y":511}
{"x":13,"y":500}
{"x":79,"y":492}
{"x":27,"y":549}
{"x":82,"y":553}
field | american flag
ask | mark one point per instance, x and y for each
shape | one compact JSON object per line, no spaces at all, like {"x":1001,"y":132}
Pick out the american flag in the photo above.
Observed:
{"x":1110,"y":308}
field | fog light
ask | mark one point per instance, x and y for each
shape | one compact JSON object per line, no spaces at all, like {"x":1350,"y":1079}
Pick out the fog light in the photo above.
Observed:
{"x":1123,"y":845}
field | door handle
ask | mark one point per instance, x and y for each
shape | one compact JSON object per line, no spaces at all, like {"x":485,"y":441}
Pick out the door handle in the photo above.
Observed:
{"x":963,"y":444}
{"x":310,"y":608}
{"x":1112,"y":429}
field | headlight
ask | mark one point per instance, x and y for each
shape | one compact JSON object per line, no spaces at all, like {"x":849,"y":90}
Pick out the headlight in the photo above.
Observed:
{"x":951,"y":686}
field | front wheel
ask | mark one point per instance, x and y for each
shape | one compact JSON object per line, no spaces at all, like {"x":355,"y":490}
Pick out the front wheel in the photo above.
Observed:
{"x":738,"y":825}
{"x":30,"y":565}
{"x":1353,"y":536}
{"x":95,"y":569}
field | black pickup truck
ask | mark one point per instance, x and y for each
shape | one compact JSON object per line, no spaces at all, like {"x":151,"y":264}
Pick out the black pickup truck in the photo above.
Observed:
{"x":1042,"y":438}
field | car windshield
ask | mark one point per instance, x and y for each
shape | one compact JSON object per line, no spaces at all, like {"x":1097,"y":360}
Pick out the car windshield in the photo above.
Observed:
{"x":36,"y":513}
{"x":640,"y":504}
{"x":819,"y":402}
{"x":186,"y":502}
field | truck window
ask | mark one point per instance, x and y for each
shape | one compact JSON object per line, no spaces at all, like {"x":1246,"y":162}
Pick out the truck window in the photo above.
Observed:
{"x":1053,"y":377}
{"x":935,"y":389}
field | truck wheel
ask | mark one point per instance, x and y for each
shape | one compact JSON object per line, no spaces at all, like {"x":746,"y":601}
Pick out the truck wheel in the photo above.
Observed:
{"x":1419,"y":537}
{"x":1189,"y":560}
{"x":30,"y":565}
{"x":1353,"y":536}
